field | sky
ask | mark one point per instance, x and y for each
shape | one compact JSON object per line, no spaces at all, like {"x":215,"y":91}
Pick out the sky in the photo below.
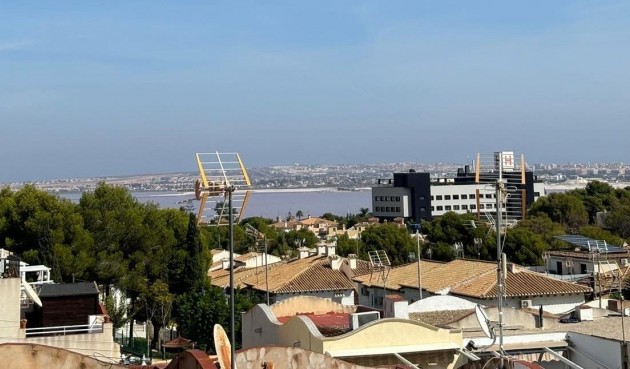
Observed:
{"x":94,"y":88}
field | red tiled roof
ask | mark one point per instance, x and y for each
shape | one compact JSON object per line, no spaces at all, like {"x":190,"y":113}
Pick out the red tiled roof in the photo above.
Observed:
{"x":329,"y":324}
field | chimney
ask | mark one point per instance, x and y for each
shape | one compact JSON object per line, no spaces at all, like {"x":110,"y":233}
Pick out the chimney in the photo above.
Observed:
{"x":225,"y":264}
{"x":395,"y":306}
{"x":331,"y":249}
{"x":321,"y":248}
{"x":335,"y":262}
{"x":304,"y":252}
{"x":352,"y":261}
{"x":511,"y":268}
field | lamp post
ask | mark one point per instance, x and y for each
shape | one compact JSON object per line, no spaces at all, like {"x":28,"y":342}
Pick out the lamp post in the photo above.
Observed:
{"x":419,"y":267}
{"x":229,"y":190}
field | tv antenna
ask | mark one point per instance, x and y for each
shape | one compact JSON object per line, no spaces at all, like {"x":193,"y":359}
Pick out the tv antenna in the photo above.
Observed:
{"x":223,"y":177}
{"x":223,"y":182}
{"x":379,"y":263}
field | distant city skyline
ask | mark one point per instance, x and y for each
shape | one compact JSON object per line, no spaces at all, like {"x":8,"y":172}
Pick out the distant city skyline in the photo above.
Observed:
{"x":102,"y":89}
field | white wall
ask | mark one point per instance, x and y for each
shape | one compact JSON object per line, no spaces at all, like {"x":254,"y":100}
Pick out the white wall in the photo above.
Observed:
{"x":389,"y":195}
{"x":344,"y":297}
{"x":556,"y":304}
{"x":605,"y":351}
{"x":259,"y":261}
{"x":9,"y":309}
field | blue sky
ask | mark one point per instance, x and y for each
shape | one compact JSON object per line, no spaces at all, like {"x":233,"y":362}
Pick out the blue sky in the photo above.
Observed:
{"x":111,"y":88}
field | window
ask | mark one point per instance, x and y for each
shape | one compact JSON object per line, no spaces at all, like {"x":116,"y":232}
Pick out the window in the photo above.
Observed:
{"x":455,"y":207}
{"x":447,"y":207}
{"x":464,"y":197}
{"x":471,"y":196}
{"x":464,"y":207}
{"x":387,"y":209}
{"x":423,"y":209}
{"x":438,"y":197}
{"x":382,"y":198}
{"x":375,"y":198}
{"x":455,"y":197}
{"x":488,"y":196}
{"x":440,"y":208}
{"x":473,"y":207}
{"x":365,"y":291}
{"x":397,"y":198}
{"x":447,"y":197}
{"x":536,"y":194}
{"x":377,"y":208}
{"x":398,"y":209}
{"x":481,"y":206}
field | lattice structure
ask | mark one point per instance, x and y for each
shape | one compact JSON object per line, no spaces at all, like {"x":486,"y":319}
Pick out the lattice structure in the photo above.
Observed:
{"x":379,"y":263}
{"x":221,"y":173}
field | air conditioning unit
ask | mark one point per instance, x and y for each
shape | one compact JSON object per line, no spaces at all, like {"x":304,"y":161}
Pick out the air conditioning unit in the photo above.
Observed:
{"x":624,"y":262}
{"x":526,"y":304}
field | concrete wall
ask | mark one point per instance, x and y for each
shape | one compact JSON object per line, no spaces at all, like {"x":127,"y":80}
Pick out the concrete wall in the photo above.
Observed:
{"x":512,"y":318}
{"x":86,"y":344}
{"x":259,"y":261}
{"x":555,"y":304}
{"x":291,"y":358}
{"x":30,"y":356}
{"x":605,"y":351}
{"x":309,"y":304}
{"x":9,"y":309}
{"x":344,"y":297}
{"x":376,"y":339}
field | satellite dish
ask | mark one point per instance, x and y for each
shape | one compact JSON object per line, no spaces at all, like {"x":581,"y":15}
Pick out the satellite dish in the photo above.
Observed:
{"x":30,"y":292}
{"x":222,"y":347}
{"x":484,"y":322}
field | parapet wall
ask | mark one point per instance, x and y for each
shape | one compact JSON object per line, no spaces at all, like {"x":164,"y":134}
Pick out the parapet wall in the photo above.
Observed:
{"x":33,"y":356}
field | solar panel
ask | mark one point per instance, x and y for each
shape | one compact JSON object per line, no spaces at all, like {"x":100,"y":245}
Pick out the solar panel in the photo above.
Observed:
{"x":590,"y":244}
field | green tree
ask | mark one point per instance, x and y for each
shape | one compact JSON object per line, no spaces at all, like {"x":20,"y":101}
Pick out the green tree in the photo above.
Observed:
{"x":563,"y":208}
{"x":395,"y":240}
{"x":523,"y":246}
{"x":299,"y":214}
{"x":198,"y":311}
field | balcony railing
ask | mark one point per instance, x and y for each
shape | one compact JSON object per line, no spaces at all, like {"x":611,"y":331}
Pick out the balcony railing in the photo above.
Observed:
{"x":64,"y":330}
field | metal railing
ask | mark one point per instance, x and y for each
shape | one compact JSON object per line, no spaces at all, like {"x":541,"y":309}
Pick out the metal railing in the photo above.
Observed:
{"x":64,"y":330}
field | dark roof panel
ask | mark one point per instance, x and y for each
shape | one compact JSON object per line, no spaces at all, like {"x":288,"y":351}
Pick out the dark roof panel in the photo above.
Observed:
{"x":68,"y":289}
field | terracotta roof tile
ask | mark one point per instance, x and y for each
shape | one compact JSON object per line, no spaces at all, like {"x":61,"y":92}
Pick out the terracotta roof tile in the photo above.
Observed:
{"x":520,"y":283}
{"x":301,"y":275}
{"x":396,"y":277}
{"x":473,"y":278}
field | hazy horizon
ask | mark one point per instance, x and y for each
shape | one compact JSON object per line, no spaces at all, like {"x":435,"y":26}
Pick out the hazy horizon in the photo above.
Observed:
{"x":101,"y":89}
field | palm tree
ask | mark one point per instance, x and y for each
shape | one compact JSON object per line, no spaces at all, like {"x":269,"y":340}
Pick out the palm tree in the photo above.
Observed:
{"x":364,"y":212}
{"x":299,"y":214}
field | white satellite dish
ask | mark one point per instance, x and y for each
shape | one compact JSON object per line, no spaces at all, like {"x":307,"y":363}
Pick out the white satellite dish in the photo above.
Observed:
{"x":30,"y":292}
{"x":484,"y":322}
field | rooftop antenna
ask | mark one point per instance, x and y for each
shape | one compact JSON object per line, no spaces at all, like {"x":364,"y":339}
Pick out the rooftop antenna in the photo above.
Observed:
{"x":379,"y":262}
{"x":223,"y":175}
{"x":250,"y":230}
{"x":504,"y":204}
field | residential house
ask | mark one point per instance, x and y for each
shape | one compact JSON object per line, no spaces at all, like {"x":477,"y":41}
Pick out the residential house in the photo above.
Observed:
{"x":328,"y":276}
{"x":343,"y":332}
{"x":473,"y":280}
